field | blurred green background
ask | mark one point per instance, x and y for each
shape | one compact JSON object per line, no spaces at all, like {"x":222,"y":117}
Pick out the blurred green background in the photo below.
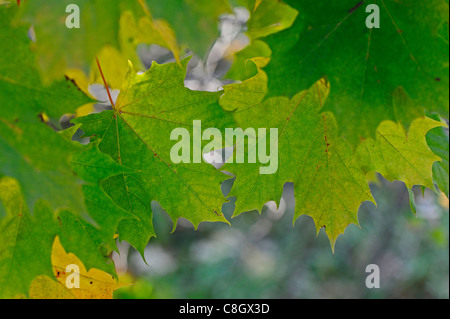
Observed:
{"x":267,"y":257}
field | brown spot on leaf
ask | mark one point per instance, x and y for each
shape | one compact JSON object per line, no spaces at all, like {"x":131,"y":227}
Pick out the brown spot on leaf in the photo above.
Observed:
{"x":73,"y":82}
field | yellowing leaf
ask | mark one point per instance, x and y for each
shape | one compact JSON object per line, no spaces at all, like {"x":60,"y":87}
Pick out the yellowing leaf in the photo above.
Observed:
{"x":136,"y":134}
{"x":58,"y":47}
{"x":147,"y":30}
{"x":270,"y":16}
{"x":80,"y":79}
{"x":329,"y":186}
{"x":248,"y":93}
{"x":93,"y":284}
{"x":400,"y":156}
{"x":114,"y":67}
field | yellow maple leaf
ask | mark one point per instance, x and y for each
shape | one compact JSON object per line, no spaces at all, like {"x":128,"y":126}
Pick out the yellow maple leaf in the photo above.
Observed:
{"x":72,"y":280}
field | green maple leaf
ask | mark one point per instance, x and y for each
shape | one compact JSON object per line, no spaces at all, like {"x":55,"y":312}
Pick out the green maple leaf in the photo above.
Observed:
{"x":19,"y":78}
{"x":437,"y":140}
{"x":58,"y":47}
{"x":137,"y":134}
{"x":95,"y":233}
{"x":365,"y":66}
{"x":248,"y":93}
{"x":42,"y":167}
{"x":329,"y":185}
{"x":400,"y":156}
{"x":30,"y":150}
{"x":240,"y":70}
{"x":26,"y":239}
{"x":267,"y":17}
